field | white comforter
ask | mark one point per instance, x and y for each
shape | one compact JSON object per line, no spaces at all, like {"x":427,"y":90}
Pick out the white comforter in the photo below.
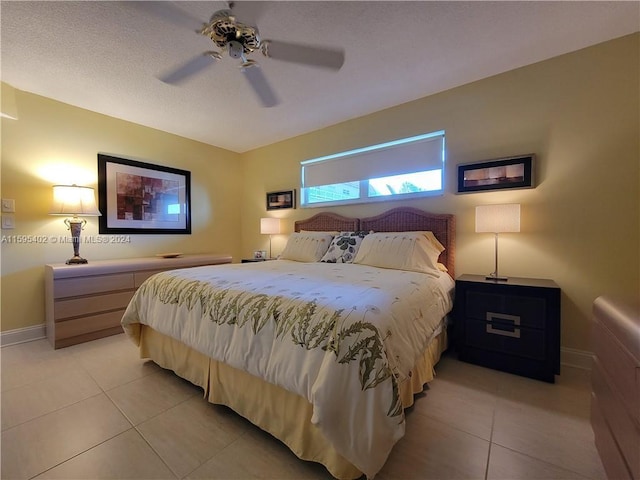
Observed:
{"x":340,"y":335}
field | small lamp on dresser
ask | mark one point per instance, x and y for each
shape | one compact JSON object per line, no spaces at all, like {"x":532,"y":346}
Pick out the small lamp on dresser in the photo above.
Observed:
{"x":74,"y":201}
{"x":270,"y":226}
{"x":497,"y":219}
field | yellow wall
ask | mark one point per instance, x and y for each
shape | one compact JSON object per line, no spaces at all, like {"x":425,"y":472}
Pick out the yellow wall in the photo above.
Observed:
{"x":51,"y":143}
{"x":579,"y":113}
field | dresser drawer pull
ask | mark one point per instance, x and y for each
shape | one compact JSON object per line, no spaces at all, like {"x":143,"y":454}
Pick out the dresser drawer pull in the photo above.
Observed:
{"x":491,"y":316}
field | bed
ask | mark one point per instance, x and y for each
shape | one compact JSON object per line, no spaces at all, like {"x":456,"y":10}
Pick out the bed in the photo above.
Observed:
{"x":324,"y":355}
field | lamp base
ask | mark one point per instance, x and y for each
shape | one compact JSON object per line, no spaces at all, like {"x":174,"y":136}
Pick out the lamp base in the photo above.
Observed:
{"x":496,"y":278}
{"x":76,"y":260}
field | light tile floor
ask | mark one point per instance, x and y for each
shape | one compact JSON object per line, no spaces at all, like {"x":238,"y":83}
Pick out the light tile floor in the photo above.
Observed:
{"x":96,"y":411}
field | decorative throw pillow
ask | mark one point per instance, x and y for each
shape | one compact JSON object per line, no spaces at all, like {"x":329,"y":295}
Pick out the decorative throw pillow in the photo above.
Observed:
{"x":344,"y":247}
{"x":306,"y":247}
{"x":413,"y":251}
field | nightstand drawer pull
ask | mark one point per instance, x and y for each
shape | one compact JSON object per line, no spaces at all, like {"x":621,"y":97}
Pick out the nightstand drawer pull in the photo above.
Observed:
{"x":491,"y":316}
{"x":505,"y":333}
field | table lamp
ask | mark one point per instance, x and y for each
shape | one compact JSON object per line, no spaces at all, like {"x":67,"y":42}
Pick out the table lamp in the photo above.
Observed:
{"x":270,"y":226}
{"x":74,"y":201}
{"x":497,"y":219}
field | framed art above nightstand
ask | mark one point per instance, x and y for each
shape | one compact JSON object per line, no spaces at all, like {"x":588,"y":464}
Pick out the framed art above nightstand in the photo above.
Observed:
{"x":512,"y":326}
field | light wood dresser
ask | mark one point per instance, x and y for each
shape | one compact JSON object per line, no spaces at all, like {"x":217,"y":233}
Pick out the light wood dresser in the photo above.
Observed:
{"x":85,"y":302}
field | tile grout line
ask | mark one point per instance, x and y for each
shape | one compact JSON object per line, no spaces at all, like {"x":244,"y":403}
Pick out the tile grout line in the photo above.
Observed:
{"x":49,"y":413}
{"x":493,"y":422}
{"x":137,"y":430}
{"x":79,"y":453}
{"x":175,"y":474}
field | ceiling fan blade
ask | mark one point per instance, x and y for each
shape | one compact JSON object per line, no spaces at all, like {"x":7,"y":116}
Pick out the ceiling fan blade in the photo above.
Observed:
{"x":257,"y":80}
{"x":188,"y":69}
{"x":315,"y":56}
{"x":170,"y":12}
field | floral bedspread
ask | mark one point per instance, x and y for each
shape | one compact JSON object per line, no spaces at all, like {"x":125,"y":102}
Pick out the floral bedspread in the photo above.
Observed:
{"x":340,"y":335}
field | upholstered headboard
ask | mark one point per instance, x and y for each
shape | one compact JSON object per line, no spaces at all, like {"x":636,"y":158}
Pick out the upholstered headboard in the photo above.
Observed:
{"x":401,"y":219}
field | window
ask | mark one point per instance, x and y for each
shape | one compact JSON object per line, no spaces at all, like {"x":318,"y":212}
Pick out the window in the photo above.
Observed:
{"x":409,"y":167}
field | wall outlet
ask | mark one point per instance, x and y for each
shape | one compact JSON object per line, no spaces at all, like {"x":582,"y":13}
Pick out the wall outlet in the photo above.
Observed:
{"x":8,"y":206}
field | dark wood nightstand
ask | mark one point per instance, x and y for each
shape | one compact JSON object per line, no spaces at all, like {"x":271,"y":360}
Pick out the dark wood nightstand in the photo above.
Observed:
{"x":512,"y":326}
{"x":251,"y":260}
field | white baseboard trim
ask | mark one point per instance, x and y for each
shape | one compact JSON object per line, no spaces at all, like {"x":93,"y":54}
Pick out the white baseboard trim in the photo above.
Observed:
{"x":576,"y":358}
{"x":22,"y":335}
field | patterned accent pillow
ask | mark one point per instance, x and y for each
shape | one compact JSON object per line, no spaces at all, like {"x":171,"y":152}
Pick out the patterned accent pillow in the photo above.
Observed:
{"x":344,"y":247}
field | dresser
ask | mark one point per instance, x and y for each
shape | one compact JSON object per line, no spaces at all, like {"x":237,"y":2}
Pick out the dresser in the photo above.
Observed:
{"x":615,"y":382}
{"x":513,"y":326}
{"x":86,"y":301}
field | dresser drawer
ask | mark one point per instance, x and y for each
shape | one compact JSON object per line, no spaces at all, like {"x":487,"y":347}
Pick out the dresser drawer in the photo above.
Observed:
{"x":88,"y":324}
{"x":505,"y":338}
{"x":531,"y":311}
{"x":72,"y":287}
{"x":77,"y":307}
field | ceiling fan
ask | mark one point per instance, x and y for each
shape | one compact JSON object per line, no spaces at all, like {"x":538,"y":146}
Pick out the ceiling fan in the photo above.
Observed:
{"x":239,"y":40}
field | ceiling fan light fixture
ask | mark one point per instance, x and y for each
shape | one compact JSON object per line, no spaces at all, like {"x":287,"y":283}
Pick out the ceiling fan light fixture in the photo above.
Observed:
{"x":236,"y":50}
{"x":223,"y":28}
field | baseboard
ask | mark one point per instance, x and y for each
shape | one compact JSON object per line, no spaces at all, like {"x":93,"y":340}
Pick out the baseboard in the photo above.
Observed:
{"x":576,"y":358}
{"x":22,"y":335}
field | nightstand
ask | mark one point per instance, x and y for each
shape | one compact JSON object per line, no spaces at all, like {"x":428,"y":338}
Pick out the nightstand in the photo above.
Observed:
{"x":513,"y":326}
{"x":251,"y":260}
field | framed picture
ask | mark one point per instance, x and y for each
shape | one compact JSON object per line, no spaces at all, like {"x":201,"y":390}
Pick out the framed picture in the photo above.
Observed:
{"x":260,"y":254}
{"x":138,"y":197}
{"x":498,"y":174}
{"x":279,"y":200}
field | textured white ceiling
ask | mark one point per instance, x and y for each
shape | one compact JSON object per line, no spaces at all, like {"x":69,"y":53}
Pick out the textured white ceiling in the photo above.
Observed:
{"x":106,"y":57}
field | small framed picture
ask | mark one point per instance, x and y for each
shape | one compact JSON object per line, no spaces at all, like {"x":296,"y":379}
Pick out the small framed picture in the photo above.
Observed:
{"x":498,"y":174}
{"x":260,"y":254}
{"x":280,"y":200}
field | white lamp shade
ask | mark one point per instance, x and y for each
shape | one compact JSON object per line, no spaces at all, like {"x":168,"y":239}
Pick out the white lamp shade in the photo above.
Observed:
{"x":498,"y":218}
{"x":270,"y":226}
{"x":74,"y":200}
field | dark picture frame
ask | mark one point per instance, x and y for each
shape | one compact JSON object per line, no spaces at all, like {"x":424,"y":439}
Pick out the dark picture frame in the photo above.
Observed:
{"x":498,"y":174}
{"x":281,"y":200}
{"x":141,"y":198}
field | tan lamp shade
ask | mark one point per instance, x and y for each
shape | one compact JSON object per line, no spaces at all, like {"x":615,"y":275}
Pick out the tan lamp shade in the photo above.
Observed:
{"x":270,"y":226}
{"x":74,"y":200}
{"x":498,"y":218}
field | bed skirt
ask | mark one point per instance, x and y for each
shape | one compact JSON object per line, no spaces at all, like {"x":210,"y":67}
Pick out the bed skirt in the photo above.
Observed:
{"x":225,"y":385}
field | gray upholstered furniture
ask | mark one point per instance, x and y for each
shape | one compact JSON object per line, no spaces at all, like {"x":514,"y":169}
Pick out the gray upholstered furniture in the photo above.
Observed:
{"x":615,"y":401}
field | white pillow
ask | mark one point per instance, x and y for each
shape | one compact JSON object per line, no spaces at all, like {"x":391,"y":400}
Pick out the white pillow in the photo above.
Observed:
{"x":431,"y":237}
{"x":344,"y":247}
{"x":413,"y":251}
{"x":307,"y":246}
